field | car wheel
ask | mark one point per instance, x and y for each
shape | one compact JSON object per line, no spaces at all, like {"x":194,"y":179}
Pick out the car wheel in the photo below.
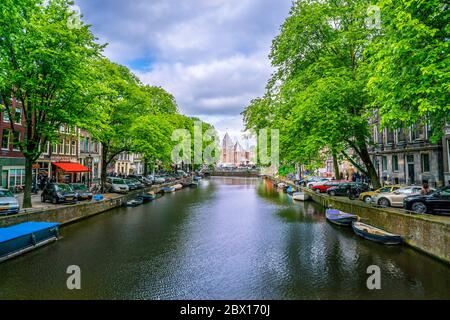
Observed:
{"x":317,"y":190}
{"x":383,"y":202}
{"x":332,"y":193}
{"x":419,"y":207}
{"x":367,"y":199}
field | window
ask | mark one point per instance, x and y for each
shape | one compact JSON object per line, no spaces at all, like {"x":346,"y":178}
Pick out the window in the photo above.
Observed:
{"x":18,"y":116}
{"x":401,"y":135}
{"x":390,"y":136}
{"x":425,"y":162}
{"x":384,"y":163}
{"x":5,"y":139}
{"x":46,"y":148}
{"x":67,"y":147}
{"x":16,"y":141}
{"x":16,"y":177}
{"x":5,"y":114}
{"x":54,"y":148}
{"x":418,"y":132}
{"x":73,"y":147}
{"x":61,"y":147}
{"x":410,"y":158}
{"x":394,"y":163}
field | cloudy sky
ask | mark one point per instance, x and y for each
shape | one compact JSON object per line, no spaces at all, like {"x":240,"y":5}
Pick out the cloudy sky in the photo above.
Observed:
{"x":212,"y":55}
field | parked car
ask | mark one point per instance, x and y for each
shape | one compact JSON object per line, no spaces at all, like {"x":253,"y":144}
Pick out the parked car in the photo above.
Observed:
{"x":436,"y":202}
{"x":137,"y":183}
{"x":58,"y":193}
{"x":316,"y":181}
{"x":367,"y":196}
{"x":116,"y":185}
{"x":395,"y":198}
{"x":143,"y":180}
{"x":343,"y":189}
{"x":159,"y":179}
{"x":131,"y":185}
{"x":8,"y":203}
{"x":321,"y":188}
{"x":82,"y":191}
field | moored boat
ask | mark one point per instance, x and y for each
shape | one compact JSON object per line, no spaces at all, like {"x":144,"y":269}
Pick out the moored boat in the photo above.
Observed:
{"x":197,"y":178}
{"x":135,"y":202}
{"x":148,"y":197}
{"x":194,"y":184}
{"x":24,"y":237}
{"x":340,"y":218}
{"x":168,"y":189}
{"x":300,"y":196}
{"x":375,"y":234}
{"x":290,"y":190}
{"x":178,"y":186}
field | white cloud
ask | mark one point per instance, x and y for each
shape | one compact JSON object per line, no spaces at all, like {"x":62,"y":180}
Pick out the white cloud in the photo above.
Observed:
{"x":212,"y":55}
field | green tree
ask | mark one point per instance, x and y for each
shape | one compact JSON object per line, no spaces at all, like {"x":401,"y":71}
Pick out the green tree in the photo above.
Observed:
{"x":410,"y":64}
{"x":44,"y":65}
{"x":317,"y":96}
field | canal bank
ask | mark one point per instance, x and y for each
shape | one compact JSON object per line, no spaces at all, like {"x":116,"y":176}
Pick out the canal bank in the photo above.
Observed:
{"x":426,"y":233}
{"x":66,"y":214}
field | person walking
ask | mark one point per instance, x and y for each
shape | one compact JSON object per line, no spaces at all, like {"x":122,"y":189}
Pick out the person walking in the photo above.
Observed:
{"x":425,"y":189}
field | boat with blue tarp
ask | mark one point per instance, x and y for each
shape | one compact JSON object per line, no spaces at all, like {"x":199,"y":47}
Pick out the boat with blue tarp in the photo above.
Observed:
{"x":24,"y":237}
{"x":340,"y":218}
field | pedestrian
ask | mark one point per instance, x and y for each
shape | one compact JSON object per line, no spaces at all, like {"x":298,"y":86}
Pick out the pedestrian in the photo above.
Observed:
{"x":425,"y":189}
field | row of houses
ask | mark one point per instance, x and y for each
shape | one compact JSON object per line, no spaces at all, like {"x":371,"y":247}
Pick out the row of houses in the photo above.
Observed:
{"x":76,"y":157}
{"x":405,"y":156}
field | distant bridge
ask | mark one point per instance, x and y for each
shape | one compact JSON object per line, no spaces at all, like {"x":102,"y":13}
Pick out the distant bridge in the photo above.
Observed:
{"x":236,"y":173}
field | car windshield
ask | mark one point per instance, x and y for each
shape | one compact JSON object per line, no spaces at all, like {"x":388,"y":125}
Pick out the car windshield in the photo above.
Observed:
{"x":128,"y":182}
{"x":78,"y":187}
{"x":118,"y":181}
{"x":62,"y":187}
{"x":5,"y":194}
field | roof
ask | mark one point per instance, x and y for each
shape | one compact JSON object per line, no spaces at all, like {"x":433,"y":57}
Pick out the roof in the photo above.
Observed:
{"x":71,"y":167}
{"x":22,"y":229}
{"x":227,"y":142}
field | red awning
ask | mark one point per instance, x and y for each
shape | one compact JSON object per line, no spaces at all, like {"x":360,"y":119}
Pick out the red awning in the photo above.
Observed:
{"x":71,"y":167}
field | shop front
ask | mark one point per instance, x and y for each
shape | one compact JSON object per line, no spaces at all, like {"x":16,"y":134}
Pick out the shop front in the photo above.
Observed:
{"x":68,"y":172}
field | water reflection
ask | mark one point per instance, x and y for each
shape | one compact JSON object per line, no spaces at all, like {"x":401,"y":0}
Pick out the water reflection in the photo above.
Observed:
{"x":231,"y":238}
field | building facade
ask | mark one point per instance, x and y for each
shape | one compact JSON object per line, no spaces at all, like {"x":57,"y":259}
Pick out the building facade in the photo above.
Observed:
{"x":12,"y":162}
{"x":407,"y":156}
{"x":90,"y":156}
{"x":129,"y":163}
{"x":233,"y":154}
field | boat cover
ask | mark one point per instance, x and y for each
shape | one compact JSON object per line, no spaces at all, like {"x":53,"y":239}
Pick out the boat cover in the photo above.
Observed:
{"x":22,"y":229}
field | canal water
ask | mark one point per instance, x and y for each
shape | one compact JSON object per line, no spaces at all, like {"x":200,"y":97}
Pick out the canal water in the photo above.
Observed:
{"x":232,"y":238}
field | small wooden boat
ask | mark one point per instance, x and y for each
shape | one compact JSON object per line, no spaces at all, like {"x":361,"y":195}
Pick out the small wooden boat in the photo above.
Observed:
{"x":371,"y":233}
{"x":197,"y":178}
{"x":168,"y":189}
{"x":147,"y":197}
{"x":300,"y":196}
{"x":178,"y":186}
{"x":340,"y":218}
{"x":135,"y":202}
{"x":24,"y":237}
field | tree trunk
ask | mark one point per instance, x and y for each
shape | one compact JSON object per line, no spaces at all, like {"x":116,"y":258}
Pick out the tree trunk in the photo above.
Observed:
{"x":28,"y":183}
{"x":371,"y":170}
{"x":145,"y":167}
{"x":336,"y":165}
{"x":104,"y":168}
